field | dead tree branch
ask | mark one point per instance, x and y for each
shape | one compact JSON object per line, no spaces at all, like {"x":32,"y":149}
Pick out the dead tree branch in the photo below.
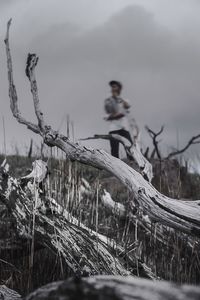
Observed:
{"x":193,"y":141}
{"x":132,"y":150}
{"x":107,"y":287}
{"x":162,"y":232}
{"x":154,"y":136}
{"x":181,"y":215}
{"x":8,"y":294}
{"x":82,"y":250}
{"x":12,"y":88}
{"x":31,"y":64}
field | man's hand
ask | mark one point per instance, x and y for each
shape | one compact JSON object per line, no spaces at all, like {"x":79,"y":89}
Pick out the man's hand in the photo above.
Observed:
{"x":126,"y":104}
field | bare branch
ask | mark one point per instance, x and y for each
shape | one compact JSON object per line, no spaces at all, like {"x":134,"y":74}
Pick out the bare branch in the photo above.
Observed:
{"x":193,"y":141}
{"x":31,"y":64}
{"x":132,"y":150}
{"x":154,"y":137}
{"x":12,"y":88}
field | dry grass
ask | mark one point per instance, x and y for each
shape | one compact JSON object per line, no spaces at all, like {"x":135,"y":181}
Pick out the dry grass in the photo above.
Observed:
{"x":172,"y":261}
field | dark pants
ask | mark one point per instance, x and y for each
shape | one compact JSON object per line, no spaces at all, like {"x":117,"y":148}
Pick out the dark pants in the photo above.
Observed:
{"x":115,"y":144}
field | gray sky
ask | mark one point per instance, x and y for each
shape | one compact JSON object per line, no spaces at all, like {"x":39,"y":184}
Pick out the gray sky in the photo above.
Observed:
{"x":152,"y":46}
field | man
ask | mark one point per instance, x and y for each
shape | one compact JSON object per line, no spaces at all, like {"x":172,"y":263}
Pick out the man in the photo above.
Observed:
{"x":117,"y":109}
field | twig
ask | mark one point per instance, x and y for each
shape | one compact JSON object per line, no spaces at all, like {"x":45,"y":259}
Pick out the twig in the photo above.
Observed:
{"x":193,"y":141}
{"x":31,"y":64}
{"x":154,"y":136}
{"x":12,"y":88}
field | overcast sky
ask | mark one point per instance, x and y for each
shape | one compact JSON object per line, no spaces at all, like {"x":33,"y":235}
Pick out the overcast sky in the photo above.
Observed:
{"x":152,"y":46}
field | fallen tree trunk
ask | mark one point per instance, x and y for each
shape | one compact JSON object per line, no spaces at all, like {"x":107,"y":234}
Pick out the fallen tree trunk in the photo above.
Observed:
{"x":113,"y":207}
{"x":105,"y":288}
{"x":8,"y":294}
{"x":115,"y":288}
{"x":162,"y":234}
{"x":44,"y":223}
{"x":178,"y":214}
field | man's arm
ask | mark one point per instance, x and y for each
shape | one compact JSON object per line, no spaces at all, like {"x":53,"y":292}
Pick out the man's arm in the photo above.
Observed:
{"x":126,"y":104}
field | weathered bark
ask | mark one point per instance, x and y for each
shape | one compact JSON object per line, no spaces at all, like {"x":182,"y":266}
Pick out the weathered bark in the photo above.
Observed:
{"x":45,"y":223}
{"x":114,"y":207}
{"x":133,"y":151}
{"x":115,"y":288}
{"x":107,"y":287}
{"x":178,"y":214}
{"x":8,"y":237}
{"x":161,"y":233}
{"x":8,"y":294}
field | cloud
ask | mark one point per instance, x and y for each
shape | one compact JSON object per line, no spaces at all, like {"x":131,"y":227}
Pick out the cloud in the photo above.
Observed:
{"x":160,"y":69}
{"x":4,"y":3}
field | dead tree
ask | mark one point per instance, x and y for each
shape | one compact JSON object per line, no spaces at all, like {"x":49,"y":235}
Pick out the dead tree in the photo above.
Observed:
{"x":162,"y":233}
{"x":53,"y":229}
{"x":8,"y":294}
{"x":115,"y":288}
{"x":180,"y":215}
{"x":28,"y":217}
{"x":193,"y":141}
{"x":109,"y":288}
{"x":154,"y":136}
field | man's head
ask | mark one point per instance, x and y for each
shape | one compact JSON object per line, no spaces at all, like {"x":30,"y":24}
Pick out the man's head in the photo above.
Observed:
{"x":116,"y":87}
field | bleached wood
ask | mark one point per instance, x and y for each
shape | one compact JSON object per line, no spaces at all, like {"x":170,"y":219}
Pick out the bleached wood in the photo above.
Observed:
{"x":83,"y":250}
{"x":132,"y":150}
{"x":114,"y":288}
{"x":12,"y":89}
{"x":154,"y":136}
{"x":39,"y":171}
{"x":31,"y":64}
{"x":161,"y":233}
{"x":115,"y":207}
{"x":178,"y":214}
{"x":8,"y":294}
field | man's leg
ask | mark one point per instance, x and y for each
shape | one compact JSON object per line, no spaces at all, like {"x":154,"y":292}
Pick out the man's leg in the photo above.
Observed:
{"x":125,"y":134}
{"x":114,"y":144}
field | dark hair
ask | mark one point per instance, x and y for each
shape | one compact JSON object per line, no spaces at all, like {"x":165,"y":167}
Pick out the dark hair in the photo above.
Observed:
{"x":115,"y":82}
